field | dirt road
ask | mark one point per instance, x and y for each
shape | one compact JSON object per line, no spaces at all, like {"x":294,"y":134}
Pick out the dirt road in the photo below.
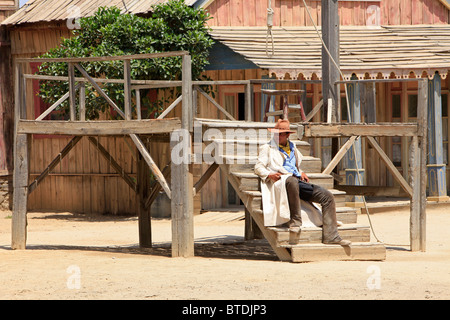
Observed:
{"x":72,"y":256}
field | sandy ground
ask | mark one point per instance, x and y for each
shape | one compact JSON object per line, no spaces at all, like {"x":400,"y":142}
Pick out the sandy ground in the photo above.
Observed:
{"x":72,"y":256}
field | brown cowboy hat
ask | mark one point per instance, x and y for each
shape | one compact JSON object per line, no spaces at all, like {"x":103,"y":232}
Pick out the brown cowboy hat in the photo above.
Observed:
{"x":282,"y":126}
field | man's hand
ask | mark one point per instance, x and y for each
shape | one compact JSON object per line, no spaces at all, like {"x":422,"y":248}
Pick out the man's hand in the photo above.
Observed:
{"x":275,"y":176}
{"x":304,"y":177}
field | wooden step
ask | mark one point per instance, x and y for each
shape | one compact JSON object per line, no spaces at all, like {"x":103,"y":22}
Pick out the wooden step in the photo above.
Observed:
{"x":324,"y":252}
{"x":238,"y":129}
{"x":246,"y":164}
{"x":343,"y":214}
{"x":352,"y":232}
{"x":338,"y":196}
{"x":250,"y":146}
{"x":250,"y":181}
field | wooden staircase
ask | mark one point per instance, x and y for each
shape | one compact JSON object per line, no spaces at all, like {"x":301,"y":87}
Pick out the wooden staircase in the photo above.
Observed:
{"x":238,"y":166}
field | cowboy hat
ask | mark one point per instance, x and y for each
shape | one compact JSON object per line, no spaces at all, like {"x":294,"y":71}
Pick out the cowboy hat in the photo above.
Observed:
{"x":281,"y":126}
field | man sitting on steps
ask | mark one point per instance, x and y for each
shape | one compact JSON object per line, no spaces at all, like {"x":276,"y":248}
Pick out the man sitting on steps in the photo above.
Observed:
{"x":284,"y":184}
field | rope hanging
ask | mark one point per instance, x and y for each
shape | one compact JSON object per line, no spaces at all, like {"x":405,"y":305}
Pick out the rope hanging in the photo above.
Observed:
{"x":270,"y":13}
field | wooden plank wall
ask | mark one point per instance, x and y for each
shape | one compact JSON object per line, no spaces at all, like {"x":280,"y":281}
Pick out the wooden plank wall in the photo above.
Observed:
{"x":84,"y":181}
{"x":6,"y":96}
{"x":358,"y":13}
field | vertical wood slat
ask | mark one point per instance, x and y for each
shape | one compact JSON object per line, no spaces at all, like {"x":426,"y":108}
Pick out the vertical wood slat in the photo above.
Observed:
{"x":182,"y":203}
{"x":20,"y":196}
{"x":21,"y":170}
{"x":72,"y":100}
{"x":419,"y":173}
{"x":127,"y":88}
{"x":82,"y":101}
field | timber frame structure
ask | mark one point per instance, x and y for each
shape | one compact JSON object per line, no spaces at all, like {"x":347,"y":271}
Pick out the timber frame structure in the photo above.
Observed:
{"x":182,"y":189}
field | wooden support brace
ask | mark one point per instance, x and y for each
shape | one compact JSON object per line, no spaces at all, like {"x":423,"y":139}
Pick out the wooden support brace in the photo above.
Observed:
{"x":54,"y":163}
{"x":56,"y":104}
{"x":387,"y":161}
{"x":341,"y":153}
{"x":113,"y":163}
{"x":156,"y":187}
{"x":201,"y":182}
{"x":100,"y":91}
{"x":314,"y":111}
{"x":153,"y":167}
{"x":218,"y":106}
{"x":172,"y":106}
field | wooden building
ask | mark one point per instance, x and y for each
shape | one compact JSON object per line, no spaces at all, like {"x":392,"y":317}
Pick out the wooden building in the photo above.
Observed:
{"x":394,"y":39}
{"x":7,"y":8}
{"x":378,"y":39}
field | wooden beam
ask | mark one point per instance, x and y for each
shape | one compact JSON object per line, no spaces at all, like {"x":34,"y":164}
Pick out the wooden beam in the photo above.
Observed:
{"x":99,"y":128}
{"x":387,"y":161}
{"x":330,"y":73}
{"x":54,"y":163}
{"x":414,"y":222}
{"x":127,"y":88}
{"x":373,"y":191}
{"x":182,"y":204}
{"x":113,"y":163}
{"x":72,"y":92}
{"x":218,"y":106}
{"x":144,"y":216}
{"x":348,"y":130}
{"x":205,"y":177}
{"x":100,"y":91}
{"x":20,"y":195}
{"x":55,"y":105}
{"x":109,"y":58}
{"x":156,"y":187}
{"x":82,"y":101}
{"x":341,"y":153}
{"x":153,"y":167}
{"x":172,"y":106}
{"x":314,"y":111}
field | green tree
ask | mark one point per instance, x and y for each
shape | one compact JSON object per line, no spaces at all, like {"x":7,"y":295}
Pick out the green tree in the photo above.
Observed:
{"x":173,"y":26}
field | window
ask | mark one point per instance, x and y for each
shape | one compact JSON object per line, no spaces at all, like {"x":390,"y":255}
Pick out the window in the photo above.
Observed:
{"x":412,"y":106}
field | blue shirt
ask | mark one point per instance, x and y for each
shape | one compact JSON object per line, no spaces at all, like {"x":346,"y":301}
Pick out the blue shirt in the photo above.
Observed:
{"x":290,"y":161}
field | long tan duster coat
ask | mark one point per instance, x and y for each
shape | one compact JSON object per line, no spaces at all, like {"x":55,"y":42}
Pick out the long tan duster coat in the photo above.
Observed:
{"x":274,"y":196}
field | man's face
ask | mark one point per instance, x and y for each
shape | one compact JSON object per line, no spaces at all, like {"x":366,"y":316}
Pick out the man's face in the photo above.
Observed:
{"x":282,"y":137}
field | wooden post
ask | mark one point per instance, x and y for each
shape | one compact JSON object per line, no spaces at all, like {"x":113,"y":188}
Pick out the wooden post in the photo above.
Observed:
{"x":72,"y":104}
{"x":127,"y":88}
{"x":82,"y":101}
{"x":437,"y":182}
{"x":20,"y":196}
{"x":249,"y":114}
{"x":182,"y":200}
{"x":138,"y":104}
{"x":330,"y":74}
{"x":144,"y":216}
{"x":354,"y":171}
{"x":418,"y":173}
{"x":21,"y":167}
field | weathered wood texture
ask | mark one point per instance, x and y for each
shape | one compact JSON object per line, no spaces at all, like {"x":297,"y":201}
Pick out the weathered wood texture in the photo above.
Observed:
{"x":293,"y":12}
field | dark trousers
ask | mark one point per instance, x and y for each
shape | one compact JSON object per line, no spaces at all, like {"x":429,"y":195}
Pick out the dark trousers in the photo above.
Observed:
{"x":296,"y":190}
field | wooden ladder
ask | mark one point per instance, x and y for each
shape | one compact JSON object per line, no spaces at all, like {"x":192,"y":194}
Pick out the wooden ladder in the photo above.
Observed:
{"x":284,"y":106}
{"x":239,"y":169}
